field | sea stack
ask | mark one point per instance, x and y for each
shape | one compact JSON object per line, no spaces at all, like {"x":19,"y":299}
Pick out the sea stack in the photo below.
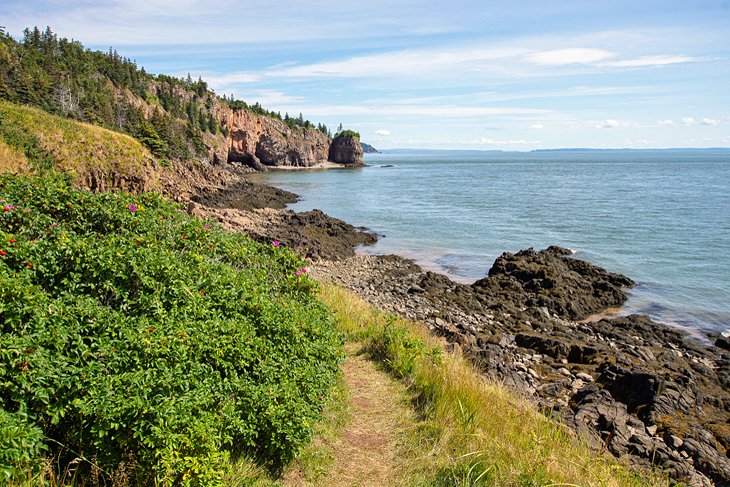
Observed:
{"x":346,"y":149}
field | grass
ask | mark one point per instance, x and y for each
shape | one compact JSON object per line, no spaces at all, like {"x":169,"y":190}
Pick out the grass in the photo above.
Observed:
{"x":12,"y":160}
{"x":82,"y":150}
{"x":472,"y":431}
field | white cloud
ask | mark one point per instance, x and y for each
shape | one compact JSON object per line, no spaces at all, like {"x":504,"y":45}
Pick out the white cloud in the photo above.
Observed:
{"x":644,"y":61}
{"x":710,"y":121}
{"x":571,"y":55}
{"x":218,"y":81}
{"x":537,"y":126}
{"x":607,"y":124}
{"x":688,"y":121}
{"x":382,"y":132}
{"x":403,"y":63}
{"x":666,"y":123}
{"x":441,"y":111}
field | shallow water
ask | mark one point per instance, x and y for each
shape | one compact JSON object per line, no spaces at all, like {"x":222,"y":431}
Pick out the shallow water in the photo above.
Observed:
{"x":662,"y":218}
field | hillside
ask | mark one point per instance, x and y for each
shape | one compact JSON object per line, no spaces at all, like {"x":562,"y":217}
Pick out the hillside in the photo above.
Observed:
{"x":176,"y":119}
{"x":94,"y":157}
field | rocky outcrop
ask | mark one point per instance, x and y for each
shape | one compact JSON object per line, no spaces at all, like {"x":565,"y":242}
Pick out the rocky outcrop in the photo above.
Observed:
{"x":636,"y":388}
{"x":260,"y":141}
{"x":549,"y":279}
{"x":346,"y":149}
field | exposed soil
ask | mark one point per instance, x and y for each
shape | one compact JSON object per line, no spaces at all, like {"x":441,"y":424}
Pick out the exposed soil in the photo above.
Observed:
{"x":366,"y":454}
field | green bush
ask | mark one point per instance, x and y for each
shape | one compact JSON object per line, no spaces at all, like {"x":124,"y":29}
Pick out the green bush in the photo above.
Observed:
{"x":139,"y":336}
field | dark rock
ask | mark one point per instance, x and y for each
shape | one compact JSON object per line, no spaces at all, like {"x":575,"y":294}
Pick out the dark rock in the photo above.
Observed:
{"x":582,"y":354}
{"x":548,"y":346}
{"x":567,"y":287}
{"x":346,"y":149}
{"x":635,"y":388}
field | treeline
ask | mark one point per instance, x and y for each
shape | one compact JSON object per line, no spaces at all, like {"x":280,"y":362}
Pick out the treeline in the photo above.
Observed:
{"x":169,"y":115}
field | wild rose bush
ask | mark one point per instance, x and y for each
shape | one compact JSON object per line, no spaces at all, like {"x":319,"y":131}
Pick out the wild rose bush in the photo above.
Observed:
{"x":134,"y":335}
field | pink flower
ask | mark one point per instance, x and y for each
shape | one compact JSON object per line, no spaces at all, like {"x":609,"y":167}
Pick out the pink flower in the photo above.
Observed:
{"x":207,"y":227}
{"x":132,"y":208}
{"x":304,"y":270}
{"x":8,"y":207}
{"x":275,"y":243}
{"x":298,"y":273}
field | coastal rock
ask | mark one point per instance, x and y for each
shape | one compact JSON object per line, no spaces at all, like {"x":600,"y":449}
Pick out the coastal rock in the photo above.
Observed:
{"x":551,"y":279}
{"x":258,"y":140}
{"x":346,"y":149}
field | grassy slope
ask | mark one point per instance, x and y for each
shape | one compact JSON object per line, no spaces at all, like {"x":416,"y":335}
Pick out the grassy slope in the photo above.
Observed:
{"x":472,"y":432}
{"x":12,"y":160}
{"x":76,"y":148}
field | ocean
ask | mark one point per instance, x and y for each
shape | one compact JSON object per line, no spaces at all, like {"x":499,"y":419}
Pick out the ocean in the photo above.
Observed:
{"x":659,"y":217}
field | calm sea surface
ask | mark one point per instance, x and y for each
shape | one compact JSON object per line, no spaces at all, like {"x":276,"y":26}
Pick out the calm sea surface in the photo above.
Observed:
{"x":662,"y":218}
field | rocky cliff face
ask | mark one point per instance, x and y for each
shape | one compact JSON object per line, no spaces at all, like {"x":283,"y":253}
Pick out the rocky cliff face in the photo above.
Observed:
{"x":346,"y":150}
{"x":261,"y":141}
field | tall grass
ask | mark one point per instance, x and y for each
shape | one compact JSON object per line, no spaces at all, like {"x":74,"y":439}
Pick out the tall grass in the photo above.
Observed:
{"x":473,"y":431}
{"x":12,"y":160}
{"x":74,"y":147}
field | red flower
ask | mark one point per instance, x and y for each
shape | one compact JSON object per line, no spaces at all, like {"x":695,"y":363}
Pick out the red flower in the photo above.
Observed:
{"x":12,"y":240}
{"x":2,"y":252}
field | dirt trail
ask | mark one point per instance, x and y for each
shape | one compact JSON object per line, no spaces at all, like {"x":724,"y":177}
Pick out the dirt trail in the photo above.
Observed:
{"x":367,"y":451}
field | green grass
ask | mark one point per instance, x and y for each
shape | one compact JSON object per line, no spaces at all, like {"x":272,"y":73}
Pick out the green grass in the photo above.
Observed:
{"x":141,"y":346}
{"x":473,"y":431}
{"x":79,"y":149}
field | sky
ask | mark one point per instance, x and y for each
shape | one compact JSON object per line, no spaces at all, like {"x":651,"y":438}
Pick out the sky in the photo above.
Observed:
{"x":456,"y":74}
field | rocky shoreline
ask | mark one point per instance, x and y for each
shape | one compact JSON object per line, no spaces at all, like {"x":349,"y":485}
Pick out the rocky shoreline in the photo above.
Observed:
{"x":633,"y":387}
{"x":636,"y":388}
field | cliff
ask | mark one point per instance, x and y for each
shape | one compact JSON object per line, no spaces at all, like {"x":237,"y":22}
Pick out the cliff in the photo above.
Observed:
{"x":260,"y":141}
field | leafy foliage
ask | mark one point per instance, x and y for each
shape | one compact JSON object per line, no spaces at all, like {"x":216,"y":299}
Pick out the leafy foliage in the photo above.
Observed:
{"x":347,"y":133}
{"x":142,"y":338}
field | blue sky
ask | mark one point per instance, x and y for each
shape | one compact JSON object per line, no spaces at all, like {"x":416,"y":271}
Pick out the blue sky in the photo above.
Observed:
{"x":436,"y":74}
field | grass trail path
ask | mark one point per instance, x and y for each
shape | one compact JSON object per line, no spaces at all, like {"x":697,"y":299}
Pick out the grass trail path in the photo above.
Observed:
{"x":367,"y":450}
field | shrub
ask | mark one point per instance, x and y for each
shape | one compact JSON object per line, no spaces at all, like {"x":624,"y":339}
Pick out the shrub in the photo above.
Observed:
{"x":139,"y":336}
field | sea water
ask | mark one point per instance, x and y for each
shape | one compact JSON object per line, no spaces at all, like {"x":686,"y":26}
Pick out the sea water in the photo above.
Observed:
{"x":661,"y":218}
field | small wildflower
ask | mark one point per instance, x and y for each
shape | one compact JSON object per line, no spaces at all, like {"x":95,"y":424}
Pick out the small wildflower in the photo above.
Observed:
{"x":8,"y":207}
{"x":202,"y":293}
{"x":207,"y":227}
{"x":304,"y":270}
{"x":12,"y":240}
{"x":2,"y":252}
{"x":151,"y":330}
{"x":298,"y":273}
{"x":132,"y":208}
{"x":275,"y":243}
